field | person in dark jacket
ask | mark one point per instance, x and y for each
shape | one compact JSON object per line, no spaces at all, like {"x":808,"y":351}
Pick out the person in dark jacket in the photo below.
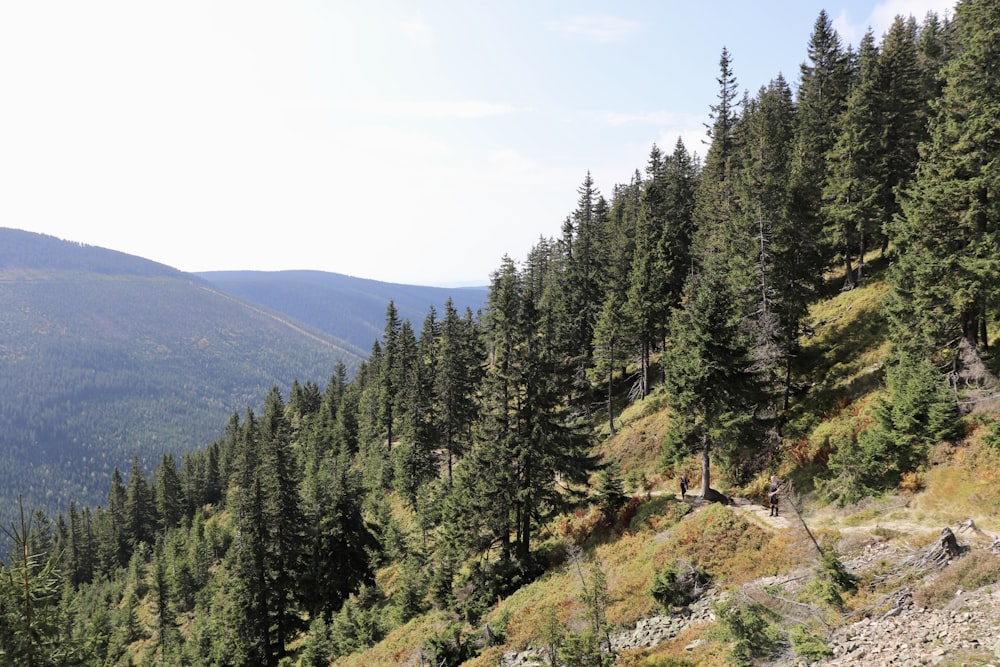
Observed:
{"x":773,"y":492}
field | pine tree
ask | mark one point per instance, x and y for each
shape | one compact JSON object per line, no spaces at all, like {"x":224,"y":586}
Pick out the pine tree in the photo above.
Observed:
{"x":113,"y":540}
{"x":31,"y":616}
{"x":663,"y":234}
{"x":903,"y":110}
{"x":251,"y":611}
{"x":853,"y":197}
{"x":388,"y":374}
{"x":279,"y":481}
{"x":777,"y":261}
{"x":578,"y":287}
{"x":340,"y":544}
{"x":614,"y":332}
{"x":416,"y":456}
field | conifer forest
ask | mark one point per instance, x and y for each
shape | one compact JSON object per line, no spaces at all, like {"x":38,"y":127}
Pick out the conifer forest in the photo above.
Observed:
{"x":429,"y":481}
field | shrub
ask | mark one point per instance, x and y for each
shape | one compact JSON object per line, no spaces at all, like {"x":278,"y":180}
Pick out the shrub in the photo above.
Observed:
{"x":677,"y":585}
{"x":808,"y":644}
{"x":746,"y":626}
{"x":486,"y":582}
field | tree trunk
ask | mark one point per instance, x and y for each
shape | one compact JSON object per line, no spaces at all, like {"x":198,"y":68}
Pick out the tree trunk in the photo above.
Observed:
{"x":611,"y":401}
{"x":706,"y":479}
{"x":848,"y":272}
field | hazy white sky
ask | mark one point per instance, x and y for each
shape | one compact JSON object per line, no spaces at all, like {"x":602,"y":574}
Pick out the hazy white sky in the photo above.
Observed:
{"x":413,"y":142}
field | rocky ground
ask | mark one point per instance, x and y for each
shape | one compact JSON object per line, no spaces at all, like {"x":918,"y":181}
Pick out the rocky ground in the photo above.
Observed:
{"x":964,"y":632}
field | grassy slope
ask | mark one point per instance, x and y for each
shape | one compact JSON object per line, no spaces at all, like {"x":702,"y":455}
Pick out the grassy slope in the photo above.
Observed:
{"x":844,"y":358}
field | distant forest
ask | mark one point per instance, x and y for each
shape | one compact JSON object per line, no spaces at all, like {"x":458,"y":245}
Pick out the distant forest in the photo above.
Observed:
{"x":440,"y":461}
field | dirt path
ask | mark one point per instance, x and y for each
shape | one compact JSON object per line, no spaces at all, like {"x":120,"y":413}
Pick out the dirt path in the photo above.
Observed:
{"x":761,"y":514}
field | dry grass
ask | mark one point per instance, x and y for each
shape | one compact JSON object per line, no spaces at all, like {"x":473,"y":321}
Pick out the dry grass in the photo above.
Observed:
{"x":401,"y":646}
{"x":971,"y":572}
{"x":842,"y":361}
{"x":636,"y":446}
{"x":966,"y":486}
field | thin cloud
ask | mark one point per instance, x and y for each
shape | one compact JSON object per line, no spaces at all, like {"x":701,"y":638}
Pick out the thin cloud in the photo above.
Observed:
{"x":602,"y":28}
{"x":418,"y":32}
{"x":882,"y":15}
{"x":652,"y":118}
{"x":466,"y":109}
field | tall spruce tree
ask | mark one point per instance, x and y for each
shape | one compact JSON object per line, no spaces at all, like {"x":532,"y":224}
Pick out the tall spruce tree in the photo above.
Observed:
{"x":853,"y":198}
{"x":944,"y":282}
{"x":525,"y":441}
{"x":782,"y":260}
{"x":283,"y":521}
{"x":822,"y":94}
{"x":457,"y":375}
{"x":416,"y":456}
{"x":579,"y":284}
{"x":709,"y":374}
{"x":250,"y":613}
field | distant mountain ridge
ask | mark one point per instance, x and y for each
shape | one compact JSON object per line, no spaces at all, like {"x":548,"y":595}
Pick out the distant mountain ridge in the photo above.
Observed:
{"x":351,"y":309}
{"x":105,"y":355}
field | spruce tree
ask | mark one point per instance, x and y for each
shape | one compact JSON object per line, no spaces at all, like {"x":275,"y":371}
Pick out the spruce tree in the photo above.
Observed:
{"x":169,"y":495}
{"x":944,"y":282}
{"x":526,"y":440}
{"x":457,"y":373}
{"x":708,"y":373}
{"x":279,"y":480}
{"x":822,"y":94}
{"x":853,"y":196}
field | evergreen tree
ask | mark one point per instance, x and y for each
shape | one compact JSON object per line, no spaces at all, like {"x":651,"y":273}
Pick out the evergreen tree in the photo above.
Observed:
{"x":525,"y":441}
{"x":140,"y":515}
{"x":31,"y":616}
{"x":388,"y":374}
{"x":708,"y":373}
{"x":340,"y":544}
{"x":283,"y":522}
{"x":822,"y":94}
{"x":113,"y":530}
{"x":948,"y":237}
{"x":416,"y":456}
{"x":457,"y":375}
{"x":777,"y":261}
{"x":251,"y":612}
{"x":853,"y":198}
{"x":903,"y":110}
{"x":663,"y":234}
{"x":614,"y":332}
{"x":169,"y":496}
{"x":578,"y":286}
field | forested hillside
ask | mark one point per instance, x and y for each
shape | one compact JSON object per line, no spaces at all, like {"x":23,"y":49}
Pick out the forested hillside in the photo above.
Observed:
{"x":348,"y":308}
{"x":105,"y":356}
{"x":814,"y":300}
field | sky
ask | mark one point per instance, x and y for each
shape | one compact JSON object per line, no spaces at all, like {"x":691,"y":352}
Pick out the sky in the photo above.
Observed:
{"x":413,"y":142}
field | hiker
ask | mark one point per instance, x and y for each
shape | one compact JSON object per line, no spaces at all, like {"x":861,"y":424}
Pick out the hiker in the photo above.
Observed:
{"x":684,"y":485}
{"x":772,"y":495}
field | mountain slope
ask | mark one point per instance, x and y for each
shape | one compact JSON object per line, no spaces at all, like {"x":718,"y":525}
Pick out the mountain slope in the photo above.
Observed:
{"x":104,"y":356}
{"x":352,"y":309}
